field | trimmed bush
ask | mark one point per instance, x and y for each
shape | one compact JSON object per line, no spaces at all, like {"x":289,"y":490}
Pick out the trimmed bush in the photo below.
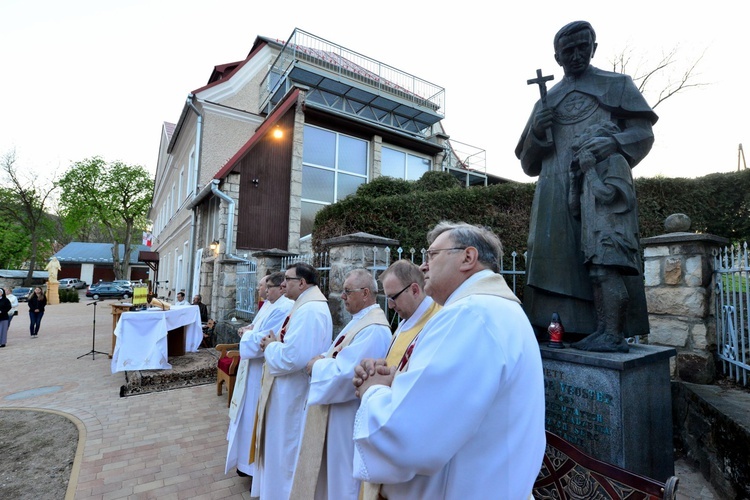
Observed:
{"x":718,"y":204}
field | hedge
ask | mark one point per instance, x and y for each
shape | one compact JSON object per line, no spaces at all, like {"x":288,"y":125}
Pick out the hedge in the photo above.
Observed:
{"x":718,"y":204}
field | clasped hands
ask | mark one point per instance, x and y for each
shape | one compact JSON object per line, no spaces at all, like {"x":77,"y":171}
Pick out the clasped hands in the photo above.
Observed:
{"x":267,"y":340}
{"x":372,"y":372}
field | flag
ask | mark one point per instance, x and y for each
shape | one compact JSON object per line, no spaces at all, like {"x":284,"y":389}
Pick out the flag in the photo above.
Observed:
{"x":147,"y":238}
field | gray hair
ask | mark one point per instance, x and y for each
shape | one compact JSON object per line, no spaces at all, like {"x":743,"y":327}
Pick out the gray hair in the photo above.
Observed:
{"x":488,"y":245}
{"x":364,"y":279}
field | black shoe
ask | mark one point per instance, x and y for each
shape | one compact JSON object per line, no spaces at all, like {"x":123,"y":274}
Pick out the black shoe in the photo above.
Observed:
{"x":3,"y":345}
{"x":242,"y":474}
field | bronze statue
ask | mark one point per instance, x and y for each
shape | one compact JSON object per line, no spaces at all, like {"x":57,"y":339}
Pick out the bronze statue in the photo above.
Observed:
{"x":559,"y":273}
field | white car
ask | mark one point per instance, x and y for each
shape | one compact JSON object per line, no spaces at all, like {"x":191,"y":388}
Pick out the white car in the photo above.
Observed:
{"x":72,"y":283}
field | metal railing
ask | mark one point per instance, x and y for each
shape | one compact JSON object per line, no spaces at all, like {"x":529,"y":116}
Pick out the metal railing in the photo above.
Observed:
{"x":383,"y":79}
{"x":246,"y":284}
{"x":514,"y":274}
{"x":732,"y":300}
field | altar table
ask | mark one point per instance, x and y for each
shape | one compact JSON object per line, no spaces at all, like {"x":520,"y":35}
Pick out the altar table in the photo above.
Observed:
{"x":142,"y":337}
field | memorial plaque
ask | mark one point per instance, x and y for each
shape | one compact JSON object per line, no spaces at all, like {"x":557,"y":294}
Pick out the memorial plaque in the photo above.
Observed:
{"x":614,"y":406}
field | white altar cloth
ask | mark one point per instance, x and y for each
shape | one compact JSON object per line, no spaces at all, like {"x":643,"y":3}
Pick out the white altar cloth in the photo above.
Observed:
{"x":142,"y":337}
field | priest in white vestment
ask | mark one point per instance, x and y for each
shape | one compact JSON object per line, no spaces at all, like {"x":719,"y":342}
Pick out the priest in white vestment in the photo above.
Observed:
{"x":403,"y":286}
{"x":324,"y":467}
{"x":465,"y":417}
{"x":244,"y":403}
{"x":281,"y":407}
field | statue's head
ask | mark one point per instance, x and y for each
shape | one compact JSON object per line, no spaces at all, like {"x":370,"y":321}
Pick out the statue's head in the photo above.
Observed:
{"x":575,"y":45}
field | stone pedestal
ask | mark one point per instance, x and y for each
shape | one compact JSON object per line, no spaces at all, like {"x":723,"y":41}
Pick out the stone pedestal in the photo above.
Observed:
{"x":616,"y":407}
{"x":53,"y":295}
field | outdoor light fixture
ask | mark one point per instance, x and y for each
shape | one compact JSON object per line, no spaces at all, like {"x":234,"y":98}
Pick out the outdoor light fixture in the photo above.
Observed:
{"x":215,"y":246}
{"x":277,"y":132}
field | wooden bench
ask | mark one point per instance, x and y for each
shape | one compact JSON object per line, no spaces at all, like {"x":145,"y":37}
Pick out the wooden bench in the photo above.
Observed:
{"x":567,"y":472}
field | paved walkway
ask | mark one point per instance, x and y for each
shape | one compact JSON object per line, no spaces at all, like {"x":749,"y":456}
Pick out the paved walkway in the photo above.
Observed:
{"x":167,"y":445}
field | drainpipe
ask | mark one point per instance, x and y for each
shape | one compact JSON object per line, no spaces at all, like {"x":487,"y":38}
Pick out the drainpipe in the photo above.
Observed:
{"x":229,"y":240}
{"x":194,"y":222}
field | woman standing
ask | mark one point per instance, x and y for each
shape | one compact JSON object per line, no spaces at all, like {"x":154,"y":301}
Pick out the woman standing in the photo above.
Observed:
{"x":4,"y":308}
{"x":13,"y":305}
{"x":37,"y":301}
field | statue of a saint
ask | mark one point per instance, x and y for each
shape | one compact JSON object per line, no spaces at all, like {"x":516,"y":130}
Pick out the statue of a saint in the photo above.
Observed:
{"x":558,"y":272}
{"x":53,"y":266}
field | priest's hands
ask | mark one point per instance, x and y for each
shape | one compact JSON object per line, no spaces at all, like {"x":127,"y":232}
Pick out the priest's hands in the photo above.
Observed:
{"x":242,"y":330}
{"x":372,"y":372}
{"x":310,"y":364}
{"x":267,"y":340}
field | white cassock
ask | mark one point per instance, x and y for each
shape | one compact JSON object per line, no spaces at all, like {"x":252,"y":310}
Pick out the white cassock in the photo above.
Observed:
{"x":308,"y":334}
{"x":466,"y":420}
{"x":240,"y":433}
{"x":331,"y":383}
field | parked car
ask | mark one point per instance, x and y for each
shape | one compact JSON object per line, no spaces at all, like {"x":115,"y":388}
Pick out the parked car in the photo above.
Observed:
{"x":124,"y":284}
{"x":72,"y":283}
{"x":109,"y":291}
{"x":22,"y":293}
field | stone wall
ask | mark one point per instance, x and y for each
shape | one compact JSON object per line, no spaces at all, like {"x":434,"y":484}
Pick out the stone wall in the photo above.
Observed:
{"x":678,"y":277}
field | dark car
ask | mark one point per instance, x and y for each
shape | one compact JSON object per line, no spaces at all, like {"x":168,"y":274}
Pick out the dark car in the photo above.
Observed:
{"x":108,"y":292}
{"x":22,"y":293}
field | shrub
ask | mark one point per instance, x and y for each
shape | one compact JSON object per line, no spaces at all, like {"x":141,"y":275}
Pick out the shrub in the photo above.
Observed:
{"x":718,"y":204}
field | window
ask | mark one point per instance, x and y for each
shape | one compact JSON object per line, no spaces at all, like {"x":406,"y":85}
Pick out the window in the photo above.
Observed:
{"x":180,"y":184}
{"x":191,"y":173}
{"x":403,"y":165}
{"x":334,"y":165}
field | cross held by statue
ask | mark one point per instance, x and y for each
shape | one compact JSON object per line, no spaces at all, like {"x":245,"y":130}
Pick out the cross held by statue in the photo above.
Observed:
{"x":542,"y":82}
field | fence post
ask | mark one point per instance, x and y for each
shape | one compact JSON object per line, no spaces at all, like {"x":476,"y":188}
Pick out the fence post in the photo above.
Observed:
{"x":678,"y":273}
{"x":346,"y":253}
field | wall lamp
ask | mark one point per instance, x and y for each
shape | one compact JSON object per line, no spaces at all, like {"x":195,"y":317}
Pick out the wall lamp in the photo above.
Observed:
{"x":277,"y":132}
{"x":214,"y":246}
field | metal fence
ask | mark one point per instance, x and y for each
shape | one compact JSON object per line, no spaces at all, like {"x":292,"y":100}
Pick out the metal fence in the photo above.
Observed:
{"x":381,"y":260}
{"x":732,"y":299}
{"x":514,"y":275}
{"x":246,"y":284}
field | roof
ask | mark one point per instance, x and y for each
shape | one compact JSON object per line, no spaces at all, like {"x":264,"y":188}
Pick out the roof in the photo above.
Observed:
{"x":22,"y":273}
{"x":95,"y":253}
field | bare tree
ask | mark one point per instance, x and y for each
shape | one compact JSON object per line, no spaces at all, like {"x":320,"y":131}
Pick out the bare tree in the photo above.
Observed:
{"x":667,"y":74}
{"x":25,"y":200}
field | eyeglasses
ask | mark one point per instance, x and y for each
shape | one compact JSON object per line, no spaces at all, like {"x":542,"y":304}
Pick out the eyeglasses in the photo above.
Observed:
{"x":429,"y":254}
{"x":392,"y":298}
{"x":349,"y":292}
{"x":290,"y":278}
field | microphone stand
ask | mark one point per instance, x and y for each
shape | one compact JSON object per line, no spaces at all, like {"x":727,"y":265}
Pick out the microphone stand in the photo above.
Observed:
{"x":93,"y":350}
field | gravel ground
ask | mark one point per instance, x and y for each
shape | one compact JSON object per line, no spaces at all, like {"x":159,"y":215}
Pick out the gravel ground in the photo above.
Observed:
{"x":38,"y":449}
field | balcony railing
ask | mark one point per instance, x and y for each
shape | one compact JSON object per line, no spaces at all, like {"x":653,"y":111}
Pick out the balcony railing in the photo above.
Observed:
{"x":379,"y":78}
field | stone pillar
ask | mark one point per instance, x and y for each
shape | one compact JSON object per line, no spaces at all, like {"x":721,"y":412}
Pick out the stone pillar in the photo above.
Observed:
{"x":678,"y":272}
{"x":358,"y":250}
{"x":53,"y":295}
{"x":269,"y":261}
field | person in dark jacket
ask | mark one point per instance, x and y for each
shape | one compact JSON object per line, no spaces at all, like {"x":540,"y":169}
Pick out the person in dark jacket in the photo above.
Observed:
{"x":37,"y":302}
{"x":4,"y":318}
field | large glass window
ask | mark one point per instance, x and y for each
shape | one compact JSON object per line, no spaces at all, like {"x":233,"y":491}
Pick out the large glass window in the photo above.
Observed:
{"x":334,"y":165}
{"x":403,"y":165}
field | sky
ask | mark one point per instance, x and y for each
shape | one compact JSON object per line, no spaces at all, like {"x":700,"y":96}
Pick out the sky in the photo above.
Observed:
{"x":85,"y":78}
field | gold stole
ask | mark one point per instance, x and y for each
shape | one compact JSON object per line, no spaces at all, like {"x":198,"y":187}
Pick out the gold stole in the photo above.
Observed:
{"x":258,"y":441}
{"x":491,"y":285}
{"x":312,"y":445}
{"x":405,"y":338}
